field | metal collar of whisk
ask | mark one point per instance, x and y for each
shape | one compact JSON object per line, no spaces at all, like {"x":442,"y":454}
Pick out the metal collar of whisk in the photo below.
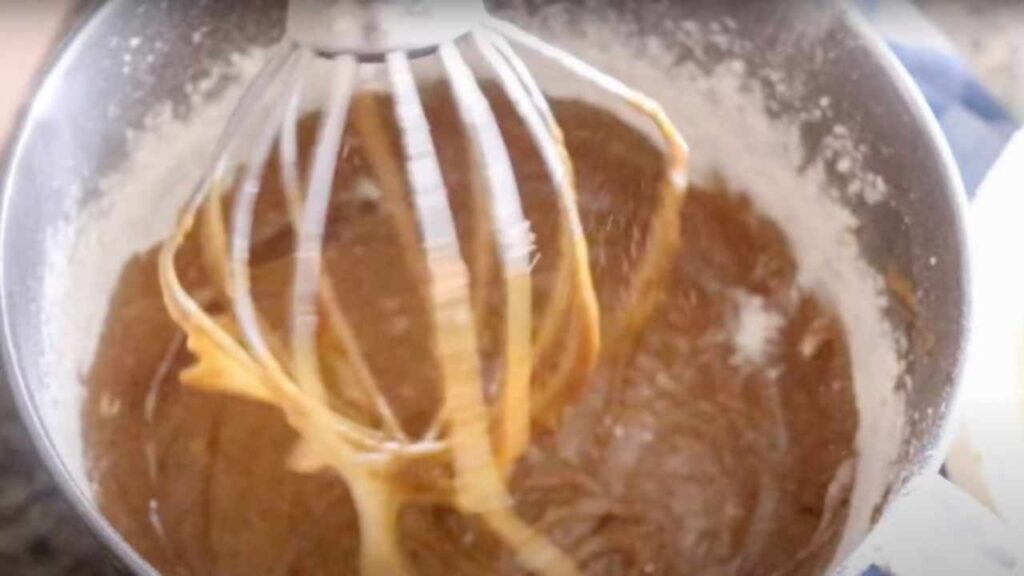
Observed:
{"x":370,"y":29}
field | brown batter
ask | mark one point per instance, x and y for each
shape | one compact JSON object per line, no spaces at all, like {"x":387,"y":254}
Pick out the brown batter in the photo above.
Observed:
{"x":683,"y":459}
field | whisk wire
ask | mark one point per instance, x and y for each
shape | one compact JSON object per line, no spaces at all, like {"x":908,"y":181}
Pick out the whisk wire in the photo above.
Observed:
{"x":243,"y":215}
{"x":663,"y":238}
{"x":243,"y":306}
{"x":310,"y":234}
{"x":573,"y":278}
{"x":480,"y":487}
{"x":451,"y":313}
{"x":257,"y":95}
{"x":350,"y":356}
{"x":515,"y":242}
{"x":288,"y":149}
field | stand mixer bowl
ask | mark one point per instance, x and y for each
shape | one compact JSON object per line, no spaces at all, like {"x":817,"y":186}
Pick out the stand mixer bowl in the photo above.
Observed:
{"x":105,"y":82}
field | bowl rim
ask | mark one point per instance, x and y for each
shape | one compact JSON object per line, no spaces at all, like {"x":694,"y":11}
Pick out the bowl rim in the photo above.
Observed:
{"x":955,"y":194}
{"x":10,"y":371}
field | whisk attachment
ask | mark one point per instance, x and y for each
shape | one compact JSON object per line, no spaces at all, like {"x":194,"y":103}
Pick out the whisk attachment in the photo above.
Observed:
{"x":663,"y":241}
{"x":317,"y":375}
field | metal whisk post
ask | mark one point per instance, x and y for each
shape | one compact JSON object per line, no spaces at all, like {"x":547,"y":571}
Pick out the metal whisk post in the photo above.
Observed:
{"x":476,"y":441}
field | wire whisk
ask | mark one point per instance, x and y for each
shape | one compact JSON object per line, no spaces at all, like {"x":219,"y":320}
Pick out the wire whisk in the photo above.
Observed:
{"x":464,"y":456}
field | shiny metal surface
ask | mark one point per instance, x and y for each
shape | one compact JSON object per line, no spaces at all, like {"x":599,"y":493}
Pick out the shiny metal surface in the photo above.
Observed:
{"x":74,"y":133}
{"x":372,"y":29}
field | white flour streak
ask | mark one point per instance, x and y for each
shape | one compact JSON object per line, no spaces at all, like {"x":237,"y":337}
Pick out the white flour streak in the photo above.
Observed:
{"x":756,"y":331}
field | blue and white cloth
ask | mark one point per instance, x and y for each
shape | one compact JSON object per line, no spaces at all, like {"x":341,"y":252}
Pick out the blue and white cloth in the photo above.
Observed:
{"x":976,"y":125}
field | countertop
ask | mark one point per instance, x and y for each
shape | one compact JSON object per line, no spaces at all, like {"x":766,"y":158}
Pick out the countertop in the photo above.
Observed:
{"x":40,"y":535}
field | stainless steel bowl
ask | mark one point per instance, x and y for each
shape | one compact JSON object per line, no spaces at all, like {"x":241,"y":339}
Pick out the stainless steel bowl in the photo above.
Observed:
{"x":75,"y":132}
